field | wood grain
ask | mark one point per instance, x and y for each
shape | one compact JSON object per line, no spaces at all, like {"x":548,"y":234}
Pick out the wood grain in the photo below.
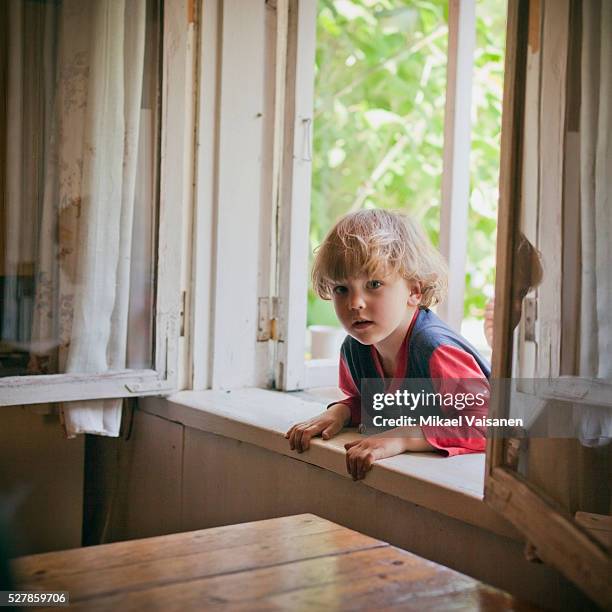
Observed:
{"x":299,"y":562}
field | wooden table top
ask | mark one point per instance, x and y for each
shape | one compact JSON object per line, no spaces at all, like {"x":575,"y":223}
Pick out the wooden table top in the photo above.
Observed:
{"x":300,"y":562}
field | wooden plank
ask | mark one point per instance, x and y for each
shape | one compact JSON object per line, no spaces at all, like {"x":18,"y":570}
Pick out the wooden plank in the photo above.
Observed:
{"x":362,"y":580}
{"x":21,"y":390}
{"x":285,"y":565}
{"x":558,"y":540}
{"x":509,"y":190}
{"x":551,"y":159}
{"x":598,"y":525}
{"x":572,"y":252}
{"x":457,"y":145}
{"x":272,"y":550}
{"x":525,"y":367}
{"x":237,"y":240}
{"x":134,"y":552}
{"x":294,"y":211}
{"x":176,"y":108}
{"x":250,"y":586}
{"x":404,"y":589}
{"x":205,"y":194}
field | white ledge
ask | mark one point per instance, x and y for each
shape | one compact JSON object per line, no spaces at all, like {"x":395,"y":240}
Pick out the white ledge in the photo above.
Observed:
{"x":452,"y":486}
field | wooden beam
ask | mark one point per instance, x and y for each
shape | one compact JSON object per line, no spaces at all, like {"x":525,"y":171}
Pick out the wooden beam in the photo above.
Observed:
{"x":558,"y":540}
{"x":509,"y":205}
{"x":456,"y":163}
{"x":294,"y":208}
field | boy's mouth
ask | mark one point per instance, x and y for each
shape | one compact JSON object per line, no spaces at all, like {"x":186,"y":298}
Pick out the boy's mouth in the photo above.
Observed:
{"x":362,"y":323}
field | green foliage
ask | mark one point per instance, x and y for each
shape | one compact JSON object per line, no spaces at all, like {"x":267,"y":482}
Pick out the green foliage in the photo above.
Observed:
{"x":379,"y":123}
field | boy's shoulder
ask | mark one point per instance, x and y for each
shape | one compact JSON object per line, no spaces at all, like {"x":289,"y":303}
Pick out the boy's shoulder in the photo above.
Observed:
{"x":430,"y":333}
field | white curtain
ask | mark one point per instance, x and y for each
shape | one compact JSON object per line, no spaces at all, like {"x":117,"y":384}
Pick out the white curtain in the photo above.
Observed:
{"x":94,"y":60}
{"x":596,"y":210}
{"x":101,"y":301}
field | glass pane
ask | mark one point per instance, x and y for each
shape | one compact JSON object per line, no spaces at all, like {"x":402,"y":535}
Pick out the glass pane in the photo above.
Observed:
{"x":78,"y":181}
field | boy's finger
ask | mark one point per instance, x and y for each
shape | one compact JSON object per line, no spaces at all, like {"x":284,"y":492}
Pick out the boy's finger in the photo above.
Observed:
{"x":331,"y":430}
{"x":292,"y":441}
{"x":306,"y":440}
{"x":297,"y":440}
{"x":351,"y":444}
{"x":355,"y":466}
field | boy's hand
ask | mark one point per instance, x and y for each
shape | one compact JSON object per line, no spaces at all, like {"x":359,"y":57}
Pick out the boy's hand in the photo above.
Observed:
{"x":361,"y":454}
{"x":328,"y":424}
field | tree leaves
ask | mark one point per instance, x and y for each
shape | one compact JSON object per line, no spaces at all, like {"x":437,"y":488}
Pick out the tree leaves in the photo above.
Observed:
{"x":380,"y":93}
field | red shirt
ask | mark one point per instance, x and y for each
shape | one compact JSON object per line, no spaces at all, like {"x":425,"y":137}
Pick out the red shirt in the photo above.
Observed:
{"x":453,"y":371}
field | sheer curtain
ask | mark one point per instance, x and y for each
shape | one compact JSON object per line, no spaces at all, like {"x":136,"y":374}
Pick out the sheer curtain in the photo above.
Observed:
{"x":92,"y":77}
{"x":596,"y":210}
{"x":109,"y":149}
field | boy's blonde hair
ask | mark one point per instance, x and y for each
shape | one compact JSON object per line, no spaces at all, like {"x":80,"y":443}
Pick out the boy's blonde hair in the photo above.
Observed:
{"x":379,"y":242}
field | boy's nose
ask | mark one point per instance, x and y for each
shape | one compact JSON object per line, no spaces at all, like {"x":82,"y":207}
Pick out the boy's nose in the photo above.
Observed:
{"x":356,"y":302}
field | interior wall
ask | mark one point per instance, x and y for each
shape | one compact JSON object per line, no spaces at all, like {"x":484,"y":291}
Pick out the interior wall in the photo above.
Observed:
{"x":224,"y":481}
{"x":41,"y":482}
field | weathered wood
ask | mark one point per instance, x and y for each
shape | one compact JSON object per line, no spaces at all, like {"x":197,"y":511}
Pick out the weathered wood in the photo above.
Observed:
{"x":175,"y":190}
{"x":237,"y":241}
{"x":559,"y":541}
{"x":509,"y":198}
{"x":299,"y":562}
{"x":177,"y":102}
{"x":598,"y":525}
{"x":294,"y":194}
{"x":555,"y":42}
{"x":21,"y":390}
{"x":525,"y":367}
{"x":133,"y":552}
{"x":272,"y":550}
{"x":456,"y":160}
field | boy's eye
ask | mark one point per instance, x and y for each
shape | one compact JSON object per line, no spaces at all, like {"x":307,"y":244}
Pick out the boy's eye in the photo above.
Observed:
{"x":374,"y":284}
{"x":339,"y":289}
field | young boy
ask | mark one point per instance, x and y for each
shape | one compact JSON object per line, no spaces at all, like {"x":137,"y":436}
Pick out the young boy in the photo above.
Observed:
{"x":382,"y":275}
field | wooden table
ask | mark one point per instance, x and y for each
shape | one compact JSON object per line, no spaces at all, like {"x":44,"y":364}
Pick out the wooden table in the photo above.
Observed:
{"x":297,"y":563}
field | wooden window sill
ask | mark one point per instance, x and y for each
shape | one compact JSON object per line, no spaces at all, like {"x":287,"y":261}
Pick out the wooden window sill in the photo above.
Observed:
{"x":452,"y":486}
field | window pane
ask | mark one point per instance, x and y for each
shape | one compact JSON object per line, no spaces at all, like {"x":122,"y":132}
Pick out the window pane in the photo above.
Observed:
{"x":78,"y":184}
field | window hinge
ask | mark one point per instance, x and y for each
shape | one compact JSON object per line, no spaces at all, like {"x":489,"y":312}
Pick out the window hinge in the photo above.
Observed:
{"x":530,"y":313}
{"x":182,"y":313}
{"x":267,"y":319}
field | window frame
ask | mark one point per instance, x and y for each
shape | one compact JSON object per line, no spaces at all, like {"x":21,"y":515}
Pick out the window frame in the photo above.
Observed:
{"x":557,"y":538}
{"x":292,"y":371}
{"x":177,"y":89}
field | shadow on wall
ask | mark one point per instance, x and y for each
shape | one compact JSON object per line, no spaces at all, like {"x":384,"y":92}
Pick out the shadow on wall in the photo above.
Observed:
{"x":6,"y":582}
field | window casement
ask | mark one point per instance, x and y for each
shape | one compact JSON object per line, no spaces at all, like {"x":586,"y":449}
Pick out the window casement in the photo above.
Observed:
{"x":551,"y":482}
{"x":168,"y":50}
{"x":292,"y":371}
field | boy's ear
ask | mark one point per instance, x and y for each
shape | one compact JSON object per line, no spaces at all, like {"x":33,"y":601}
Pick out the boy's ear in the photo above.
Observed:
{"x":414,"y":299}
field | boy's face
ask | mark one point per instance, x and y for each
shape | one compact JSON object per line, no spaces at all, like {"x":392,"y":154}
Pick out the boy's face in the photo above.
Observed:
{"x":372,"y":309}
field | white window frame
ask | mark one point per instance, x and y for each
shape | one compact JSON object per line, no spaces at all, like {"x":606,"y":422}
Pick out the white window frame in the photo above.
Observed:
{"x":177,"y":104}
{"x":292,"y":371}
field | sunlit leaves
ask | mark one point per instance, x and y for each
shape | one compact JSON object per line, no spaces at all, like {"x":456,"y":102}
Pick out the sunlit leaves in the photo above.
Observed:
{"x":381,"y":76}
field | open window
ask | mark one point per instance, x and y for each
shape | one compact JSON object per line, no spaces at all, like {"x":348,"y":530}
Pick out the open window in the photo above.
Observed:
{"x":94,"y":183}
{"x":353,"y":143}
{"x":552,"y":320}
